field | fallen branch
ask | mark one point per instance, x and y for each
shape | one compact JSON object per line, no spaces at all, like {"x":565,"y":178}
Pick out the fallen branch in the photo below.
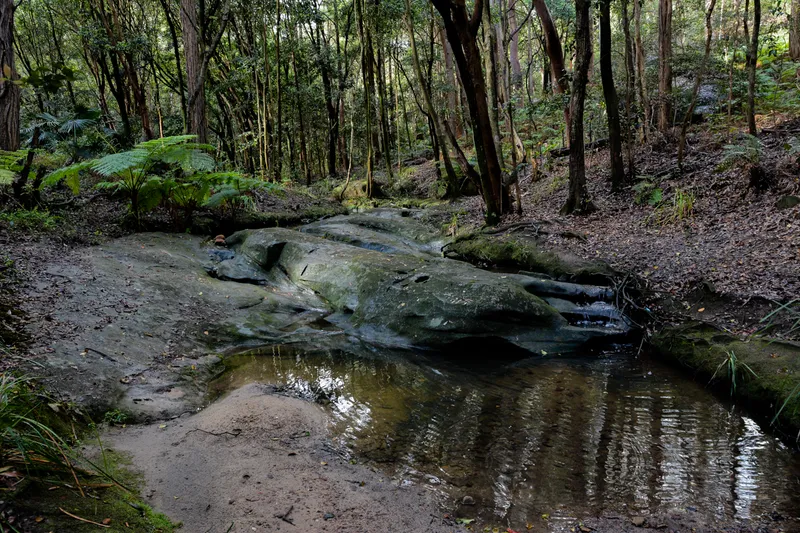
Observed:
{"x":76,"y":517}
{"x":594,"y":145}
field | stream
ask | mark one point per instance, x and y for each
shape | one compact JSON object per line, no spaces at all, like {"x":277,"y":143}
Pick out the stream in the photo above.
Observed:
{"x":554,"y":438}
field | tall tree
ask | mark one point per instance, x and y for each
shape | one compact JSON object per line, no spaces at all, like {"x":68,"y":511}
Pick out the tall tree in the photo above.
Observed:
{"x":452,"y":181}
{"x":664,"y":65}
{"x":555,"y":54}
{"x":611,"y":98}
{"x":641,"y":78}
{"x":9,"y":90}
{"x":578,"y":201}
{"x":697,"y":81}
{"x":794,"y":30}
{"x":462,"y":33}
{"x":752,"y":63}
{"x":196,"y":110}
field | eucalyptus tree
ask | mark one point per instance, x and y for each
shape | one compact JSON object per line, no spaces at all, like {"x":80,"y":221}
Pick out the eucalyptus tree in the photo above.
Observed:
{"x":578,"y":201}
{"x":462,"y":34}
{"x":9,"y":89}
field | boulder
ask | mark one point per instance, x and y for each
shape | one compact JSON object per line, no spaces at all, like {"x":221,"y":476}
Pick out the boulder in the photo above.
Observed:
{"x":404,"y":298}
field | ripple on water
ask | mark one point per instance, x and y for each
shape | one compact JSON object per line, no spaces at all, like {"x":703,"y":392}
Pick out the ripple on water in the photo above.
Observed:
{"x":611,"y":434}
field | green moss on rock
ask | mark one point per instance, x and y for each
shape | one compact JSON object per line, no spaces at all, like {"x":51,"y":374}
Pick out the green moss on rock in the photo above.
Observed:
{"x":702,"y":348}
{"x":527,"y":254}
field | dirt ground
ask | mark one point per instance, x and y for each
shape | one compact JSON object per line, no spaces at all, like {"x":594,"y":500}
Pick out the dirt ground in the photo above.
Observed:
{"x":258,"y":461}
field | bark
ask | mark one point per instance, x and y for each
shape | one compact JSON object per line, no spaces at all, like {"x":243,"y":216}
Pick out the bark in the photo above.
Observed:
{"x":277,"y":167}
{"x":578,"y":201}
{"x":462,"y":34}
{"x":490,"y":68}
{"x":794,"y":31}
{"x":752,"y":63}
{"x":9,"y":91}
{"x":664,"y":65}
{"x":513,"y":45}
{"x":555,"y":55}
{"x":387,"y":155}
{"x":629,"y":90}
{"x":697,"y":82}
{"x":641,"y":79}
{"x":452,"y":180}
{"x":452,"y":85}
{"x":366,"y":66}
{"x":173,"y":33}
{"x":611,"y":98}
{"x":196,"y":122}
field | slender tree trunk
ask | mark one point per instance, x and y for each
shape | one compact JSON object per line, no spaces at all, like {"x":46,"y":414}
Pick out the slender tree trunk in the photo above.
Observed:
{"x":732,"y":66}
{"x":452,"y":180}
{"x":752,"y":63}
{"x":629,"y":90}
{"x":300,"y":119}
{"x":278,"y":166}
{"x":9,"y":91}
{"x":452,"y":85}
{"x":794,"y":31}
{"x":641,"y":78}
{"x":697,"y":82}
{"x":196,"y":122}
{"x":387,"y":153}
{"x":578,"y":201}
{"x":177,"y":51}
{"x":462,"y":35}
{"x":664,"y":65}
{"x":365,"y":67}
{"x":555,"y":55}
{"x":611,"y":98}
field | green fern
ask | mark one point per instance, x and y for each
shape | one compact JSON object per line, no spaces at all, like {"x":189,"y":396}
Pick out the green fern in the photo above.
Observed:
{"x":10,"y":165}
{"x":748,"y":152}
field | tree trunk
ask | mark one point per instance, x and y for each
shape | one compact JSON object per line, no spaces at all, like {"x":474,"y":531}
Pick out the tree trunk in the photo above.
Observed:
{"x":629,"y":90}
{"x":641,"y":78}
{"x":555,"y":55}
{"x":462,"y":35}
{"x":366,"y":79}
{"x":752,"y":62}
{"x":196,"y":122}
{"x":278,"y":165}
{"x":664,"y":65}
{"x":611,"y":98}
{"x":9,"y":91}
{"x":794,"y":31}
{"x":697,"y":81}
{"x":173,"y":32}
{"x":452,"y":180}
{"x":578,"y":201}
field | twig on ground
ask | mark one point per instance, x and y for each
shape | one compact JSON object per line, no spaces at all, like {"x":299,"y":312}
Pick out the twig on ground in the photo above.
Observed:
{"x":76,"y":517}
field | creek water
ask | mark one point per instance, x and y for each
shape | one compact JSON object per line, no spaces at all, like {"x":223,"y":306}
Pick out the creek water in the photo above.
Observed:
{"x":607,"y":434}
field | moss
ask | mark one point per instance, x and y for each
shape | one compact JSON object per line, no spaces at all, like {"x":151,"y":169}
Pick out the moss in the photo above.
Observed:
{"x":702,"y":348}
{"x":526,"y":254}
{"x":123,"y":509}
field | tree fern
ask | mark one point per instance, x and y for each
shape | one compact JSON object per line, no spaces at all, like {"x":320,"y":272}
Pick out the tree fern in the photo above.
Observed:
{"x":10,"y":164}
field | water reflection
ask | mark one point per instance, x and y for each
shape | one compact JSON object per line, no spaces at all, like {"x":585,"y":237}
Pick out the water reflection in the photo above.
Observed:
{"x":604,"y":435}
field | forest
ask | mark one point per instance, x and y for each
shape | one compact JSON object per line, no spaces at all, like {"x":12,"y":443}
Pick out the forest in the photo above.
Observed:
{"x":399,"y":265}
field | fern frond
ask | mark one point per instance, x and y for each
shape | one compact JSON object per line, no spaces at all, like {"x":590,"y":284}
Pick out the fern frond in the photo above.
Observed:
{"x":222,"y":196}
{"x":71,"y":173}
{"x":114,"y":164}
{"x":156,"y":144}
{"x":190,"y":160}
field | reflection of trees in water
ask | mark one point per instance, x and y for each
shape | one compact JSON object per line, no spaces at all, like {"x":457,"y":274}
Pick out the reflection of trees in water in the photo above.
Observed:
{"x":551,"y":439}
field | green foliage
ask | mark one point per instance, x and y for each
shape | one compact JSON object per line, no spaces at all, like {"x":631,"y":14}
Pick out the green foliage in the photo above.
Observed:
{"x":10,"y":164}
{"x":27,"y":445}
{"x":647,"y":192}
{"x":115,"y":417}
{"x":748,"y":152}
{"x":789,"y":311}
{"x":681,"y":208}
{"x":172,"y":170}
{"x":734,"y":370}
{"x":29,"y":219}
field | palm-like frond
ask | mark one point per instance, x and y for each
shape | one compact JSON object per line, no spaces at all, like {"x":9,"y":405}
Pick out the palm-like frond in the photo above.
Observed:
{"x":70,"y":174}
{"x":155,"y":144}
{"x":116,"y":164}
{"x":74,"y":125}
